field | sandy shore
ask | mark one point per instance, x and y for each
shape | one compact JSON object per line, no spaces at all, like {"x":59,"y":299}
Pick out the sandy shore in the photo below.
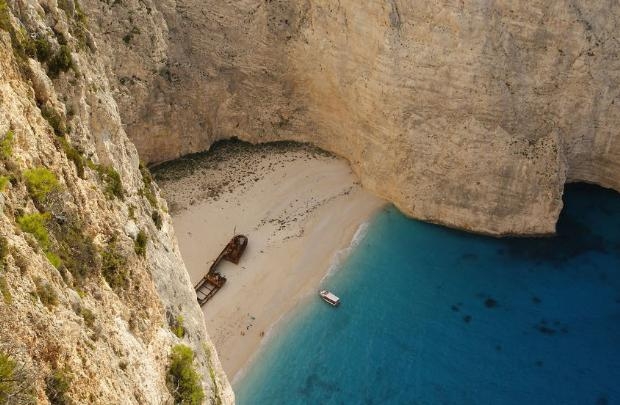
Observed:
{"x":298,"y":207}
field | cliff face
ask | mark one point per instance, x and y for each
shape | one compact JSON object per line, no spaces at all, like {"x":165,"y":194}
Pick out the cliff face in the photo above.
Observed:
{"x":94,"y":292}
{"x":472,"y":115}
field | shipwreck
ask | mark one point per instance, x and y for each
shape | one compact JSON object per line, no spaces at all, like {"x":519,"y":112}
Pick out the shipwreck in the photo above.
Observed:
{"x":213,"y":281}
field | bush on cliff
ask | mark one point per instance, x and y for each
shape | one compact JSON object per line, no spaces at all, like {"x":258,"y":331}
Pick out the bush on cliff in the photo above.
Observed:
{"x":6,"y":145}
{"x":140,"y":243}
{"x":113,"y":268}
{"x":60,"y":62}
{"x":73,"y":155}
{"x":34,"y":224}
{"x":183,"y":380}
{"x":5,"y":19}
{"x":56,"y":387}
{"x":15,"y":381}
{"x":111,"y":178}
{"x":40,"y":182}
{"x":55,"y":120}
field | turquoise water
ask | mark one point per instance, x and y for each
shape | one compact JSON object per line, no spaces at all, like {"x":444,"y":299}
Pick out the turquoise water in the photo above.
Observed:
{"x":436,"y":316}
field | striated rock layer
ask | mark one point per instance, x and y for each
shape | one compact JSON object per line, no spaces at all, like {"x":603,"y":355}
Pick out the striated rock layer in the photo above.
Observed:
{"x":464,"y":113}
{"x":94,"y":293}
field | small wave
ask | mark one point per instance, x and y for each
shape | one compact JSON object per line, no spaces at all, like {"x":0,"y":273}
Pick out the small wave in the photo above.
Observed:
{"x":341,"y":255}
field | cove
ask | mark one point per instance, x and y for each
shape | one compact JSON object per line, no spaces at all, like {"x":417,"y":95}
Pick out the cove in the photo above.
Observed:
{"x":431,"y":315}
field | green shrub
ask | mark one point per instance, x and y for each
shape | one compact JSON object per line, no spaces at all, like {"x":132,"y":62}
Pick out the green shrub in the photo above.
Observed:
{"x":73,"y":155}
{"x":22,"y":45}
{"x":35,"y":225}
{"x":55,"y":120}
{"x":177,"y":327}
{"x":149,"y":195}
{"x":114,"y":186}
{"x":4,"y":248}
{"x":114,"y":268}
{"x":140,"y":243}
{"x":216,"y":399}
{"x":4,"y":181}
{"x":88,"y":316}
{"x":7,"y":369}
{"x":73,"y":250}
{"x":147,"y":191}
{"x":132,"y":211}
{"x":183,"y":380}
{"x":40,"y":182}
{"x":54,"y":259}
{"x":74,"y":247}
{"x":60,"y":62}
{"x":56,"y":387}
{"x":5,"y":19}
{"x":4,"y":290}
{"x":16,"y":384}
{"x":43,"y":49}
{"x":46,"y":294}
{"x":111,"y":178}
{"x":6,"y":145}
{"x":157,"y":219}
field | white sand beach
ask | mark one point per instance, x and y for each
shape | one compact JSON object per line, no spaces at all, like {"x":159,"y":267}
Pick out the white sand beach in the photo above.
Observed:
{"x":298,"y":207}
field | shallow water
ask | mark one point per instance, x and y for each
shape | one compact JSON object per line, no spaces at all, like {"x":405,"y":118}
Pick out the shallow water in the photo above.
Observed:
{"x":436,"y":316}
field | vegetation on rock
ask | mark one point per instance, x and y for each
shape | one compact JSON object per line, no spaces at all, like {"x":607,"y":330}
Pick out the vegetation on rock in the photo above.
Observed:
{"x":177,"y":327}
{"x":56,"y":387}
{"x":34,"y":224}
{"x":43,"y":49}
{"x":46,"y":293}
{"x":73,"y":155}
{"x":216,"y":399}
{"x":55,"y":120}
{"x":156,"y":216}
{"x":88,"y":316}
{"x":140,"y":243}
{"x":5,"y":19}
{"x":6,"y":145}
{"x":147,"y":191}
{"x":15,"y":382}
{"x":4,"y":181}
{"x":75,"y":248}
{"x":60,"y":62}
{"x":40,"y":182}
{"x":54,"y":259}
{"x":111,"y":178}
{"x":183,"y":380}
{"x":113,"y":267}
{"x":4,"y":290}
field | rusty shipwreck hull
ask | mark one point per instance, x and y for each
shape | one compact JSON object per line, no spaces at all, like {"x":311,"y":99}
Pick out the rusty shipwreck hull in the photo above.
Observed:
{"x":213,"y":281}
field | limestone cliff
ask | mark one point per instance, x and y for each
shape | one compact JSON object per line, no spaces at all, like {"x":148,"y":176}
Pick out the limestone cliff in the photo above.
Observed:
{"x":471,"y":114}
{"x":95,"y":294}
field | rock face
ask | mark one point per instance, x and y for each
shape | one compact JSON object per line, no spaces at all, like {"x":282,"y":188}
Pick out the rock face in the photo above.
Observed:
{"x":94,"y":293}
{"x":472,"y":115}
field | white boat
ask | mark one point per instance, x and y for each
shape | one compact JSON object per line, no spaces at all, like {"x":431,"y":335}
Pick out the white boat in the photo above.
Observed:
{"x":329,"y":297}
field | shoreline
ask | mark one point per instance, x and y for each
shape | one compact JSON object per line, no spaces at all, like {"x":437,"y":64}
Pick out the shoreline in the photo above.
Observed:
{"x":281,"y":323}
{"x":300,"y":209}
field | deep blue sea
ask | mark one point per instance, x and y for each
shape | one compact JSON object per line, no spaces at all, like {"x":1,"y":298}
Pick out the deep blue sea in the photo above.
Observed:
{"x":431,"y":315}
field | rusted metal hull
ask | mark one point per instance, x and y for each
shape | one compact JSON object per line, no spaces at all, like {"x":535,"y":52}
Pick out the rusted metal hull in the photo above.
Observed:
{"x":211,"y":283}
{"x":233,"y":251}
